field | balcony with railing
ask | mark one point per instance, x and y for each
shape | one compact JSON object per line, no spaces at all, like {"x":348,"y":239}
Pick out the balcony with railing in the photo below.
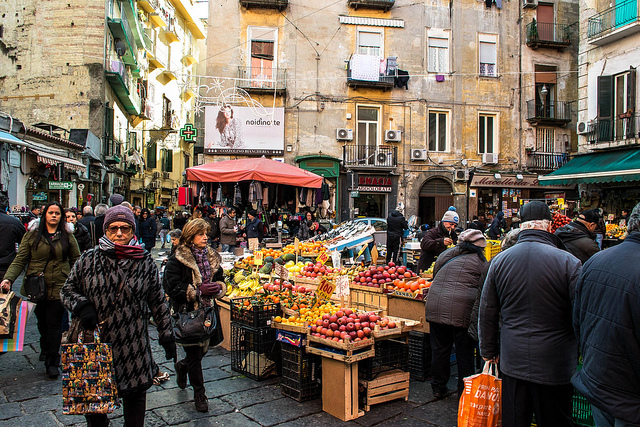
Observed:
{"x":369,"y":157}
{"x":553,"y":113}
{"x":265,"y":4}
{"x":614,"y":23}
{"x":172,"y":32}
{"x":112,"y":151}
{"x":613,"y":133}
{"x":550,"y":35}
{"x":545,"y":162}
{"x":262,"y":79}
{"x":371,"y":71}
{"x":121,"y":30}
{"x":372,"y":4}
{"x":124,"y":86}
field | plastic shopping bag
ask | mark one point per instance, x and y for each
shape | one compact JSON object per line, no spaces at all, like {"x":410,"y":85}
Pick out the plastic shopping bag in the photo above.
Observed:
{"x":480,"y":404}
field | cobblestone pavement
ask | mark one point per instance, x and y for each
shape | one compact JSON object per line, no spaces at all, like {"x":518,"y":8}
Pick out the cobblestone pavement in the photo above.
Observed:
{"x":28,"y":398}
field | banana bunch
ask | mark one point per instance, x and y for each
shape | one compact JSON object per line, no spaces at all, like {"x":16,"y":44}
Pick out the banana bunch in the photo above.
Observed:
{"x":244,"y":287}
{"x":430,"y":269}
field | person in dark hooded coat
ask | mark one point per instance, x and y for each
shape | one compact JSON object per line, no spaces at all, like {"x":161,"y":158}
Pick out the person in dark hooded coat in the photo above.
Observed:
{"x":579,"y":237}
{"x":396,"y":224}
{"x":497,"y":226}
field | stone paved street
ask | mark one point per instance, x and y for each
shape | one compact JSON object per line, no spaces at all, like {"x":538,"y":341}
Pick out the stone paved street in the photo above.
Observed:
{"x":28,"y":398}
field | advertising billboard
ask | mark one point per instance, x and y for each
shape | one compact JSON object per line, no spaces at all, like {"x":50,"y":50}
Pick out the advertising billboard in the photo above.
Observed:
{"x":243,"y":130}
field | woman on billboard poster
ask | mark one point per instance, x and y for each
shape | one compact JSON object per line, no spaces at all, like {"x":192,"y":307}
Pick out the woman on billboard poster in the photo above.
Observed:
{"x":230,"y":128}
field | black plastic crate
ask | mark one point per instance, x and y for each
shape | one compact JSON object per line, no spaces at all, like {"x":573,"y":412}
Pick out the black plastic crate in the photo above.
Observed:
{"x":302,"y":394}
{"x":253,"y":315}
{"x":390,"y":354}
{"x":300,"y":373}
{"x":419,"y":356}
{"x":254,"y":351}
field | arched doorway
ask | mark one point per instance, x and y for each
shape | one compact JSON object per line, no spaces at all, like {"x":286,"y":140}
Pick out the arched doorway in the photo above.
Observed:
{"x":435,"y":197}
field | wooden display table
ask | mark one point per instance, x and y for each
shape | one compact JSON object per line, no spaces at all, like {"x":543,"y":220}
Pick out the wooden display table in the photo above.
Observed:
{"x":340,"y":389}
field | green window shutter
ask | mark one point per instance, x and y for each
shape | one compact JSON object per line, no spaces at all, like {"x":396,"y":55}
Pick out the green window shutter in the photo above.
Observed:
{"x":169,"y":154}
{"x":605,"y":108}
{"x":631,"y":90}
{"x":151,"y":155}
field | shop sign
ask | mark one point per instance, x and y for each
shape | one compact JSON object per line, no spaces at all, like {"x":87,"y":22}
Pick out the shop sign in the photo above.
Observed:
{"x":355,"y":194}
{"x":14,"y":158}
{"x":60,"y":185}
{"x":378,"y":184}
{"x":554,"y":195}
{"x":41,"y":196}
{"x":151,"y":198}
{"x":510,"y":181}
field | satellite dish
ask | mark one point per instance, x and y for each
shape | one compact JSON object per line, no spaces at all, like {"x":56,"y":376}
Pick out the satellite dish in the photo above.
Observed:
{"x":121,"y":47}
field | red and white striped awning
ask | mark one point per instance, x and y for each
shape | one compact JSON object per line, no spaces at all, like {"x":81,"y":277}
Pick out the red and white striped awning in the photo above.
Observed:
{"x":52,"y":159}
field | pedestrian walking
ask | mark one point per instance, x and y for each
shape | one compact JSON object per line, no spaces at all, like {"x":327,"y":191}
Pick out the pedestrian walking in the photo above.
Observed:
{"x":115,"y":285}
{"x":100,"y":211}
{"x":579,"y":235}
{"x":437,"y":239}
{"x":228,"y":230}
{"x":166,"y":227}
{"x":525,"y":322}
{"x":175,"y":239}
{"x":12,"y":231}
{"x":396,"y":224}
{"x":214,"y":223}
{"x":180,"y":220}
{"x":497,"y":227}
{"x":476,"y":224}
{"x":450,"y":301}
{"x":147,"y":229}
{"x":88,"y":220}
{"x":193,"y":276}
{"x":34,"y":213}
{"x":48,"y":248}
{"x":605,"y":319}
{"x":80,"y":232}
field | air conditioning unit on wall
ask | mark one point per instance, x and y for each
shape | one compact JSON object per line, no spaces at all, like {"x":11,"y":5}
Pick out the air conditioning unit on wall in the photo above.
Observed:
{"x":582,"y":128}
{"x":344,"y":134}
{"x":419,"y":154}
{"x":384,"y":158}
{"x":529,"y":3}
{"x":461,"y":175}
{"x":392,"y":135}
{"x":490,"y":158}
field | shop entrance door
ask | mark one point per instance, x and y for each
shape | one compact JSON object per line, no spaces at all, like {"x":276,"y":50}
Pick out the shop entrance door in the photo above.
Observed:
{"x":372,"y":205}
{"x":434,"y":199}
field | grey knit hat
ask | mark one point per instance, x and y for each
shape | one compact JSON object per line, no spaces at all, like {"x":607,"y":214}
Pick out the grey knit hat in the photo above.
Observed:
{"x":116,"y":199}
{"x":450,"y":216}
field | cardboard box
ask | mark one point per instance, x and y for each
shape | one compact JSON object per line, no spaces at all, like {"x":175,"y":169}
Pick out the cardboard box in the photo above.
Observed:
{"x":340,"y":389}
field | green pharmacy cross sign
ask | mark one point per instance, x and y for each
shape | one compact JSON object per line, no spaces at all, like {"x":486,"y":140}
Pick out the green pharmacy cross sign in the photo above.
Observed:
{"x":189,"y":133}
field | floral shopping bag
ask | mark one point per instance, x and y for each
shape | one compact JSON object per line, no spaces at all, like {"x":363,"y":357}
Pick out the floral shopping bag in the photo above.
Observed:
{"x":480,"y":404}
{"x":88,"y":382}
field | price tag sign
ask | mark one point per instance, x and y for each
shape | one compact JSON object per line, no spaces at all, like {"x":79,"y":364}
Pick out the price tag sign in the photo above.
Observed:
{"x":325,"y":288}
{"x":282,"y":272}
{"x":296,"y":244}
{"x":254,"y":244}
{"x":361,"y":251}
{"x":374,"y":255}
{"x":258,"y":257}
{"x":323,"y":258}
{"x":561,"y":203}
{"x":342,"y":286}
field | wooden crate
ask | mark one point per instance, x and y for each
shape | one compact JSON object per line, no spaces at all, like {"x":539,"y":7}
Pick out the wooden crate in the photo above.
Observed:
{"x":387,"y":386}
{"x":367,"y":298}
{"x":346,"y":352}
{"x":225,"y":321}
{"x":409,"y":309}
{"x":340,"y":389}
{"x":291,"y":328}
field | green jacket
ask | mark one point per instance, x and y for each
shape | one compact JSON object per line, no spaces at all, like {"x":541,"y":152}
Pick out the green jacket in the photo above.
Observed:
{"x":35,"y":260}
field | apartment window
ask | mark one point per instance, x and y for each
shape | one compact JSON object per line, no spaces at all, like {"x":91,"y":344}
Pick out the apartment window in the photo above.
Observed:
{"x":262,"y":52}
{"x":545,"y":140}
{"x":367,"y":133}
{"x":370,"y":42}
{"x":167,"y":160}
{"x":151,"y":155}
{"x":487,"y":127}
{"x":438,"y":130}
{"x":488,"y":55}
{"x":616,"y":105}
{"x":438,"y":55}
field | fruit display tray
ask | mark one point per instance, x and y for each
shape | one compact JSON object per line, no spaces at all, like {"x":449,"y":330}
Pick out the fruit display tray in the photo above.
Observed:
{"x":291,"y":328}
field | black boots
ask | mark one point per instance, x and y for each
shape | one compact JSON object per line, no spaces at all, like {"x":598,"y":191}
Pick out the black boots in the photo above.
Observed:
{"x":202,"y":404}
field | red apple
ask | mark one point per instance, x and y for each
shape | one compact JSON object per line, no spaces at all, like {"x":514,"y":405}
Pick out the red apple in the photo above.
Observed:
{"x":360,"y":334}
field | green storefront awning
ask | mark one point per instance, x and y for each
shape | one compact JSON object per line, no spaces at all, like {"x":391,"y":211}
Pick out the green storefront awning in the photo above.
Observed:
{"x":593,"y":168}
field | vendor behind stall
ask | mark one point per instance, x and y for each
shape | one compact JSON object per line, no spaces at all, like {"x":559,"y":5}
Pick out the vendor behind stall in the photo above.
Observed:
{"x":228,"y":230}
{"x":255,"y":227}
{"x":316,"y":229}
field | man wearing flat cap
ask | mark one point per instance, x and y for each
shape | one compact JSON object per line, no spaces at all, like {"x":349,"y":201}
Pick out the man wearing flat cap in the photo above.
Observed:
{"x":579,"y":235}
{"x":525,"y":322}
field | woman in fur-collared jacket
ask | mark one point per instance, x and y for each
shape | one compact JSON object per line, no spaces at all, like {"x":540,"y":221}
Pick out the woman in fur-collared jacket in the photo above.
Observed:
{"x":192,"y":276}
{"x":48,"y":248}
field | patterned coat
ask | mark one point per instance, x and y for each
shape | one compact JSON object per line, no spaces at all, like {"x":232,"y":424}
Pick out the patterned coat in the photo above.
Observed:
{"x":96,"y":279}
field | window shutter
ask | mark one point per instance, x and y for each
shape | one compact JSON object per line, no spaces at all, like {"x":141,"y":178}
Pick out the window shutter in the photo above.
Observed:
{"x":151,"y":156}
{"x":605,"y":107}
{"x":631,"y":90}
{"x":487,"y":53}
{"x":168,"y":160}
{"x":262,"y":49}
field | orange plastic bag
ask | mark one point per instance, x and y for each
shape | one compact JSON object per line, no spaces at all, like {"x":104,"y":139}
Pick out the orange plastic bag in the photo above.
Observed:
{"x":480,"y":404}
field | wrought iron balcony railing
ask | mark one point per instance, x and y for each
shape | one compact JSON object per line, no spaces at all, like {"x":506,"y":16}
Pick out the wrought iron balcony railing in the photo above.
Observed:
{"x":369,"y":156}
{"x":543,"y":34}
{"x":624,"y":128}
{"x":550,"y":113}
{"x":614,"y":20}
{"x":262,"y":79}
{"x":546,"y":161}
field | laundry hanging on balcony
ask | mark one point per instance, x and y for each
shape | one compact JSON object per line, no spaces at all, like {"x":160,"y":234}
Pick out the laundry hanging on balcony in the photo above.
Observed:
{"x":365,"y":67}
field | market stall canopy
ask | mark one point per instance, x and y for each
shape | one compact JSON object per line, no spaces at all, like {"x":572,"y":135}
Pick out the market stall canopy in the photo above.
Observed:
{"x":592,"y":168}
{"x":254,"y":169}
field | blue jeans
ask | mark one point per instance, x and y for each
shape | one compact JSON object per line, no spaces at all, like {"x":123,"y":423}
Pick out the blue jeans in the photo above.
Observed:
{"x":603,"y":419}
{"x":228,"y":248}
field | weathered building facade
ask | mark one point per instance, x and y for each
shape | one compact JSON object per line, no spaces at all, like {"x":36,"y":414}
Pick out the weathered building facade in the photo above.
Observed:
{"x":409,"y":101}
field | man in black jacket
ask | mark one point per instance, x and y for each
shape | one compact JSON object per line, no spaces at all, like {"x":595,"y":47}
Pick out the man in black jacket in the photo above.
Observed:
{"x":579,"y":237}
{"x":396,"y":224}
{"x":525,"y":322}
{"x":12,"y":230}
{"x":88,"y":220}
{"x":605,"y":319}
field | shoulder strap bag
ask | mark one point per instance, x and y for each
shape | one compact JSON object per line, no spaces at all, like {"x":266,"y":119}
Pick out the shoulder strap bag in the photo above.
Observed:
{"x":34,"y":286}
{"x":201,"y":324}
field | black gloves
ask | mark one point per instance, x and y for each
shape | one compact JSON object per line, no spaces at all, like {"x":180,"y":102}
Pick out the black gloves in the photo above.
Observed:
{"x":170,"y":350}
{"x":88,"y":317}
{"x":210,"y":289}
